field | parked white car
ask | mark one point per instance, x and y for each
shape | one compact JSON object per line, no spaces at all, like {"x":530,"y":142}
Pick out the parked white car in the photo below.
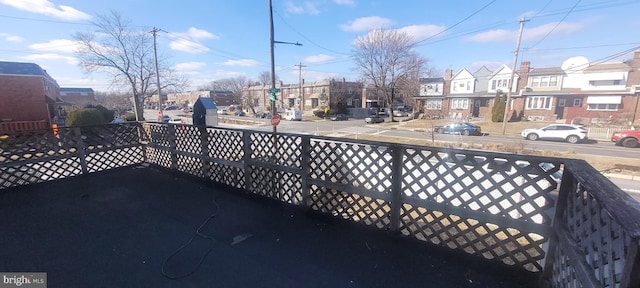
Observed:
{"x":564,"y":132}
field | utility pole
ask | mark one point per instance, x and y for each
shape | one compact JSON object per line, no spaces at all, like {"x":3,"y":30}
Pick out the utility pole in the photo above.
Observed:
{"x":301,"y":88}
{"x":513,"y":72}
{"x":273,"y":89}
{"x":155,"y":54}
{"x":273,"y":67}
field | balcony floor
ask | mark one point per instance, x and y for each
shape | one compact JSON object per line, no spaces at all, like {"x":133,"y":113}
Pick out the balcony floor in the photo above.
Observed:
{"x":116,"y":228}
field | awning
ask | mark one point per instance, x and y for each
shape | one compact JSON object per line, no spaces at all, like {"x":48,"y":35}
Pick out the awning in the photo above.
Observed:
{"x":604,"y":99}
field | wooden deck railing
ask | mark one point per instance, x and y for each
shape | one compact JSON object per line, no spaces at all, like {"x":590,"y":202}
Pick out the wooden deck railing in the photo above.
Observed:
{"x":556,"y":217}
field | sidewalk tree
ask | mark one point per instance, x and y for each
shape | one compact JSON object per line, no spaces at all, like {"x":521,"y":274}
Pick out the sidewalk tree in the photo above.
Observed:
{"x":386,"y":58}
{"x":497,"y":111}
{"x":125,"y":52}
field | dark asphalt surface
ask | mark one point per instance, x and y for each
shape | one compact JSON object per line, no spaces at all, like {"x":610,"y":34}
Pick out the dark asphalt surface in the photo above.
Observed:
{"x":117,"y":228}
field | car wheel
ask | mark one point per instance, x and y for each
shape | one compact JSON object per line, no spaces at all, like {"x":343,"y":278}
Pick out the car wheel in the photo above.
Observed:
{"x":440,"y":130}
{"x":532,"y":136}
{"x":466,"y":132}
{"x":573,"y":139}
{"x":630,"y":143}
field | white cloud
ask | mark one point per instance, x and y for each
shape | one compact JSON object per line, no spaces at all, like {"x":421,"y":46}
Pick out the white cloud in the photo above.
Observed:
{"x":222,"y":74}
{"x":534,"y":33}
{"x":306,"y":8}
{"x":58,"y":45}
{"x":45,"y":7}
{"x":188,"y":46}
{"x":190,"y":41}
{"x":351,"y":3}
{"x":189,"y":66}
{"x":242,"y":62}
{"x":564,"y":28}
{"x":51,"y":56}
{"x":320,"y":58}
{"x":11,"y":38}
{"x":366,"y":24}
{"x":422,"y":32}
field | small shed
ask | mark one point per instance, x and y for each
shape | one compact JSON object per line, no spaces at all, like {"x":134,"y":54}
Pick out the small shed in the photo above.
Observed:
{"x":205,"y":112}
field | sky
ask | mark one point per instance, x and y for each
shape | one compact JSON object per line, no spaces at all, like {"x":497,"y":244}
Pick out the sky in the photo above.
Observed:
{"x":217,"y":39}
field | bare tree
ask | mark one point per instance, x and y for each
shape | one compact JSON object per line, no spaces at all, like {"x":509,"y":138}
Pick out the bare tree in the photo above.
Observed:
{"x":386,"y":57}
{"x":265,"y":78}
{"x":127,"y":54}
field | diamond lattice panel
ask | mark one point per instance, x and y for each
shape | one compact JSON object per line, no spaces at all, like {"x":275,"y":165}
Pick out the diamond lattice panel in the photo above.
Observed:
{"x":358,"y":165}
{"x":519,"y":189}
{"x":97,"y":137}
{"x":39,"y":172}
{"x":288,"y":188}
{"x":36,"y":145}
{"x":109,"y":159}
{"x":226,"y":144}
{"x":188,"y":138}
{"x":159,"y":157}
{"x":226,"y":175}
{"x":158,"y":134}
{"x":507,"y":245}
{"x":604,"y":242}
{"x":279,"y":149}
{"x":190,"y":165}
{"x":353,"y":207}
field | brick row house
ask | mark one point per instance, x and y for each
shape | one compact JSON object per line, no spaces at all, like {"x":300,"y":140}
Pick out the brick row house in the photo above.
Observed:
{"x":28,"y":96}
{"x":313,"y":95}
{"x":577,"y":91}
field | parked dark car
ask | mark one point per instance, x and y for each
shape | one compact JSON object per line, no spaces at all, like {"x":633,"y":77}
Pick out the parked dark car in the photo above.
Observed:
{"x":339,"y":117}
{"x":239,"y":113}
{"x":462,"y":128}
{"x":373,"y":119}
{"x":626,"y":138}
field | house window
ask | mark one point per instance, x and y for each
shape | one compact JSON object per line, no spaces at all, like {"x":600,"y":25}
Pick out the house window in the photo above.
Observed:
{"x":468,"y":85}
{"x":436,"y":88}
{"x":539,"y":102}
{"x":577,"y":102}
{"x":553,"y":81}
{"x":434,"y":104}
{"x":349,"y":102}
{"x":562,"y":102}
{"x":493,"y":85}
{"x":602,"y":107}
{"x":460,"y":103}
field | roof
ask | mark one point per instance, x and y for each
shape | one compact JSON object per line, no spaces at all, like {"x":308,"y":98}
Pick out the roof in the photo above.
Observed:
{"x":431,"y":80}
{"x":206,"y":102}
{"x":134,"y":221}
{"x":546,"y":71}
{"x":19,"y":68}
{"x":622,"y":67}
{"x":75,"y":90}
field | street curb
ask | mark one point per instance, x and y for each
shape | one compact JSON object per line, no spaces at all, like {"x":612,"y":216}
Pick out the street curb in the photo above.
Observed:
{"x":622,"y":176}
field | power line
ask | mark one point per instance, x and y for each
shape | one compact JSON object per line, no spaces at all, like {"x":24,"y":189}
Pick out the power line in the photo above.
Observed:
{"x":459,"y":22}
{"x":307,"y":38}
{"x":557,"y":24}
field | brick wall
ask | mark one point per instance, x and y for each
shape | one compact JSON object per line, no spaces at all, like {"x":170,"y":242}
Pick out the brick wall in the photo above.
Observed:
{"x":23,"y":98}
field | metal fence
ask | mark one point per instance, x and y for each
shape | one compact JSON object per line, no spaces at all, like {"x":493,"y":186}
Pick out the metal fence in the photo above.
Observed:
{"x":556,"y":217}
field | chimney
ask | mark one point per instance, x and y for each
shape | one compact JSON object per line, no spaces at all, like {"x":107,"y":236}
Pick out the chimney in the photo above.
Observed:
{"x":525,"y":68}
{"x":634,"y":75}
{"x":448,"y":74}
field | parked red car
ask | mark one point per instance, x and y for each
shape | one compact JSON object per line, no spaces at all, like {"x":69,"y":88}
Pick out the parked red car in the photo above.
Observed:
{"x":626,"y":138}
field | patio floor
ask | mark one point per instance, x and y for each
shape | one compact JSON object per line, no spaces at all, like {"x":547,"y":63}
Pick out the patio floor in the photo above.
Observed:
{"x":117,"y":228}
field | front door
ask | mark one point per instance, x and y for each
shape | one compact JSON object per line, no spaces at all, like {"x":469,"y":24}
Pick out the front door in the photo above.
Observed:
{"x":475,"y":110}
{"x":560,"y":108}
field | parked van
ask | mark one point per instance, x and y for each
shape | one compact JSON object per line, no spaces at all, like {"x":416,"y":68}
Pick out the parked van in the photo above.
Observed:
{"x":293,"y":115}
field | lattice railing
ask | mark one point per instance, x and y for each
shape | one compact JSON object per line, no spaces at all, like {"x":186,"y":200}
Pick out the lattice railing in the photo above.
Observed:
{"x":41,"y":155}
{"x":598,"y":231}
{"x":550,"y":215}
